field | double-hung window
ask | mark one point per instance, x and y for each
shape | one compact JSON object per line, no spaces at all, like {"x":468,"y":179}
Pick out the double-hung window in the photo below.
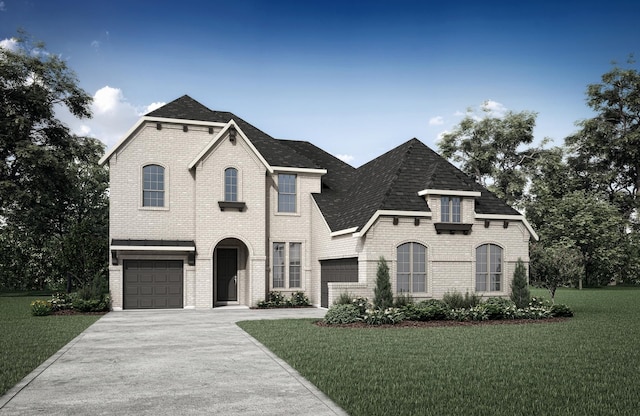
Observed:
{"x":488,"y":268}
{"x":153,"y":186}
{"x":286,"y":192}
{"x":283,"y":255}
{"x":231,"y":185}
{"x":411,"y":268}
{"x":450,"y":209}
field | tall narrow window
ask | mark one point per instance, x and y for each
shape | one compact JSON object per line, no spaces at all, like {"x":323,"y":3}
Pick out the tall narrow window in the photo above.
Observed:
{"x":411,"y":268}
{"x":488,"y":268}
{"x":450,"y":209}
{"x":286,"y":193}
{"x":153,"y":186}
{"x":294,"y":264}
{"x":278,"y":265}
{"x":231,"y":185}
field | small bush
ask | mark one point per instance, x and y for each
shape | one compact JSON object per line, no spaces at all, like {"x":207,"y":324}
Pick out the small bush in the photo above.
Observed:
{"x":561,"y":311}
{"x":342,"y":314}
{"x":499,"y":308}
{"x":299,"y":299}
{"x":102,"y":304}
{"x":520,"y":294}
{"x":403,"y":299}
{"x":61,"y":301}
{"x":344,"y":299}
{"x":41,"y":307}
{"x":455,"y":300}
{"x":361,"y":303}
{"x":383,"y":316}
{"x":425,"y":312}
{"x":383,"y":297}
{"x":433,"y":302}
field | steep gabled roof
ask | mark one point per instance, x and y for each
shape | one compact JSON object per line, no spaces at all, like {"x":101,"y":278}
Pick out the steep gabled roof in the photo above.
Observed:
{"x":392,"y":181}
{"x":273,"y":151}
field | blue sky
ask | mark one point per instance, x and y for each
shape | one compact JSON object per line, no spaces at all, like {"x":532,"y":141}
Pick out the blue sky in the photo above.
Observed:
{"x":355,"y":78}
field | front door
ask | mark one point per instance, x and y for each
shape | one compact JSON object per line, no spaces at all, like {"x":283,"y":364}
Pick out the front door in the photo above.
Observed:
{"x":227,"y":275}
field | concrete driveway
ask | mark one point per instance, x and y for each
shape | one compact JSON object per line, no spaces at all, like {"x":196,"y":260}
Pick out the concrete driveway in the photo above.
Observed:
{"x":176,"y":362}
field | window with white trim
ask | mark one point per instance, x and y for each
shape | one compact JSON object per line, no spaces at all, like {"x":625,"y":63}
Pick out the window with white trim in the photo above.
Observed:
{"x":488,"y":268}
{"x":287,"y":265}
{"x":411,"y":273}
{"x":153,"y":186}
{"x":231,"y":185}
{"x":450,"y":210}
{"x":286,"y":192}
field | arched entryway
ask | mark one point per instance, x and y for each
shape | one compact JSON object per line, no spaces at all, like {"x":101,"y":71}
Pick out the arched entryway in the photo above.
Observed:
{"x":230,"y":273}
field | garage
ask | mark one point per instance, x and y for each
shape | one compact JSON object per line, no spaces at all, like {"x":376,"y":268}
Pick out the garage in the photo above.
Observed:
{"x":336,"y":270}
{"x":153,"y":284}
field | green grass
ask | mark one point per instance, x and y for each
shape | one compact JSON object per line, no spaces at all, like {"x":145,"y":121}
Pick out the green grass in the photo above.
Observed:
{"x":589,"y":365}
{"x":27,"y":341}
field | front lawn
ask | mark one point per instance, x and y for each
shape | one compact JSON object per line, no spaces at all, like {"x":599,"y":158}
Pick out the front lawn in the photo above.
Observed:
{"x":27,"y":341}
{"x":587,"y":365}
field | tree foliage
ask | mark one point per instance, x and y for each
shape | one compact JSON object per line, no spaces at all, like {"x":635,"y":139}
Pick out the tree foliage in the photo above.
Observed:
{"x":53,"y":194}
{"x":606,"y":149}
{"x":555,"y":266}
{"x":383,"y":296}
{"x":489,"y":148}
{"x":520,"y":294}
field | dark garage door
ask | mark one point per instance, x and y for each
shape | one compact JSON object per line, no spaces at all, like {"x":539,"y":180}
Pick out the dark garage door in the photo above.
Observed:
{"x":152,"y":284}
{"x":336,"y":270}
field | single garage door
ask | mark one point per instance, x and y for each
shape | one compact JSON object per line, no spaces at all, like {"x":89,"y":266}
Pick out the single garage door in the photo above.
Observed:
{"x":152,"y":284}
{"x":336,"y":270}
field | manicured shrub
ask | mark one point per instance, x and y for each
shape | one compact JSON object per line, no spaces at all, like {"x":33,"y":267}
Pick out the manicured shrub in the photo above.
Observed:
{"x":433,"y":302}
{"x":41,"y":307}
{"x":499,"y":308}
{"x":425,"y":312}
{"x":342,"y":314}
{"x":383,"y":297}
{"x":102,"y":304}
{"x":361,"y":303}
{"x":61,"y":301}
{"x":520,"y":294}
{"x":344,"y":299}
{"x":377,"y":316}
{"x":561,"y":311}
{"x":299,"y":299}
{"x":455,"y":300}
{"x":279,"y":300}
{"x":403,"y":299}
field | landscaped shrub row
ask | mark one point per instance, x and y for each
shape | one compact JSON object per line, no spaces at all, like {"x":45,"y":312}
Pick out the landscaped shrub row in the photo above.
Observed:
{"x":279,"y":300}
{"x":455,"y":307}
{"x":77,"y":301}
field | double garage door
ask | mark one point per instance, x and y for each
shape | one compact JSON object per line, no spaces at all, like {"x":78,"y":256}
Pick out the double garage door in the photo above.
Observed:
{"x":153,"y":284}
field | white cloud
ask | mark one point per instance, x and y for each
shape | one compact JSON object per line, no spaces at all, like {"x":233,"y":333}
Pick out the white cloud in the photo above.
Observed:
{"x":345,"y":158}
{"x":2,"y":7}
{"x":9,"y":44}
{"x":95,"y":45}
{"x":112,"y":117}
{"x":436,"y":121}
{"x":441,"y":134}
{"x":494,"y":108}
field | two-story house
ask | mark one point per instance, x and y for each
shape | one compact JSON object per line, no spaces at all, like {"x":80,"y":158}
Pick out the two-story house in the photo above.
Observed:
{"x":207,"y":210}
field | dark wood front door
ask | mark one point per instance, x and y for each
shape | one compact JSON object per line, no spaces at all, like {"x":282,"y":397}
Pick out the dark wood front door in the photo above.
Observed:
{"x":227,"y":275}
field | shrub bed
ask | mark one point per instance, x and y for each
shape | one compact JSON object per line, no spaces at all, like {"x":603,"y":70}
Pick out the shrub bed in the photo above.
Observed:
{"x":279,"y":300}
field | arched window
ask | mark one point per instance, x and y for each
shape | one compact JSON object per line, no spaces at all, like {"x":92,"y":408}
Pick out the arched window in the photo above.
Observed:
{"x":153,"y":186}
{"x":231,"y":185}
{"x":411,"y":268}
{"x":488,"y":268}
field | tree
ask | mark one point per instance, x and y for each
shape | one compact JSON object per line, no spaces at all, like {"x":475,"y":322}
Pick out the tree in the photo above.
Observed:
{"x":383,"y":296}
{"x":53,"y":206}
{"x":555,"y":266}
{"x":519,"y":286}
{"x":606,"y":150}
{"x":591,"y":224}
{"x":488,"y":148}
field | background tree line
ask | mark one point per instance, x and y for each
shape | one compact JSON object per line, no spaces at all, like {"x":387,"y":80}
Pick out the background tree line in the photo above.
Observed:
{"x":581,"y":196}
{"x":53,"y":194}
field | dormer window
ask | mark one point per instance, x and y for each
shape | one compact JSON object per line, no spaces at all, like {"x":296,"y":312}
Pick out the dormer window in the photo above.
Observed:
{"x":450,"y":209}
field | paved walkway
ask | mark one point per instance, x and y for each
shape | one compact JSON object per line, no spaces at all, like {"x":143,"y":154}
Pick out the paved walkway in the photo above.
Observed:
{"x":177,"y":362}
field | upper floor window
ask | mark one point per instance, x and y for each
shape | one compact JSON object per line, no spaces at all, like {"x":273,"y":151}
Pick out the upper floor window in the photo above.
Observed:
{"x":153,"y":186}
{"x":411,"y":268}
{"x":286,"y":192}
{"x":231,"y":185}
{"x":450,"y":209}
{"x":488,"y":268}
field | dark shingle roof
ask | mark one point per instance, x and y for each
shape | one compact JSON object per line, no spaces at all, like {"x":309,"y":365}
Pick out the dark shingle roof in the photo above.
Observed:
{"x":274,"y":152}
{"x":350,"y":197}
{"x":392,"y":182}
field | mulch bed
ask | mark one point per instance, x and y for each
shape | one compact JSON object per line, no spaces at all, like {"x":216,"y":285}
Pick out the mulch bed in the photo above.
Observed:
{"x":435,"y":324}
{"x":67,"y":312}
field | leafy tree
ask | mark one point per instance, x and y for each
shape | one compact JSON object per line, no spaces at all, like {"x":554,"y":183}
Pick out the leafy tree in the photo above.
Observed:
{"x":555,"y":266}
{"x":520,"y":294}
{"x":383,"y":296}
{"x":591,"y":224}
{"x":488,"y":148}
{"x":606,"y":150}
{"x":53,"y":206}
